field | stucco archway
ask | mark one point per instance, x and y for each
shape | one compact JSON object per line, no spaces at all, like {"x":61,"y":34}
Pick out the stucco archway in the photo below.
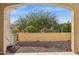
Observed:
{"x":5,"y":24}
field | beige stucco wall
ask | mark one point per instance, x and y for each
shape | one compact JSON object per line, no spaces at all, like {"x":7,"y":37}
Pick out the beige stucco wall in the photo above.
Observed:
{"x":4,"y":28}
{"x":1,"y":30}
{"x":75,"y":25}
{"x":44,"y":36}
{"x":8,"y":36}
{"x":76,"y":29}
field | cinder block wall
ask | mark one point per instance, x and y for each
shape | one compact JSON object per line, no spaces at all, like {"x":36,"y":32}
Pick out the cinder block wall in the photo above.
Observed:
{"x":44,"y":36}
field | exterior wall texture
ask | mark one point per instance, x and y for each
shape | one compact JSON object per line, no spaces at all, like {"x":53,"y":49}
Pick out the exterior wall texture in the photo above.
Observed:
{"x":1,"y":30}
{"x":75,"y":28}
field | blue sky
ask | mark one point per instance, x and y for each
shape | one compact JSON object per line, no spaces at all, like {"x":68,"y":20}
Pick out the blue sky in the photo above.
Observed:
{"x":62,"y":14}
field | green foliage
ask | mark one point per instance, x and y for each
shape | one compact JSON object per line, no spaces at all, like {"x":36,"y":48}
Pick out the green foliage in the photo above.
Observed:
{"x":21,"y":24}
{"x":40,"y":22}
{"x":65,"y":27}
{"x":15,"y":30}
{"x":30,"y":29}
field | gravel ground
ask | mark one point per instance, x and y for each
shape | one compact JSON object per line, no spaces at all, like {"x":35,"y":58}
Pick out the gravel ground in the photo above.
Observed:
{"x":42,"y":46}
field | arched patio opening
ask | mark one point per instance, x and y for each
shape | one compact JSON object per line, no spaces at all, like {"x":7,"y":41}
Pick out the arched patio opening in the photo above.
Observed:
{"x":7,"y":22}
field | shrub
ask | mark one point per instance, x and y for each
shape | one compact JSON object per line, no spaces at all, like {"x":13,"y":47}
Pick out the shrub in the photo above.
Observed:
{"x":30,"y":29}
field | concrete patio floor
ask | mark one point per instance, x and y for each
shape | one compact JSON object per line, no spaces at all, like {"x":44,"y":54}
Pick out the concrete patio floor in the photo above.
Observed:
{"x":44,"y":53}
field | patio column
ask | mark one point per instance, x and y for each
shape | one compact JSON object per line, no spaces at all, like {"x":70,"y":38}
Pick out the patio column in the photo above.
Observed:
{"x":1,"y":29}
{"x":76,"y":29}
